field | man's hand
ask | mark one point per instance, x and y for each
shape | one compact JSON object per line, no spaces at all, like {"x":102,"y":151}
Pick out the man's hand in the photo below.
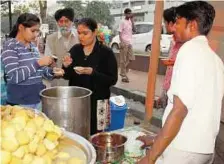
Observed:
{"x":146,"y":159}
{"x":147,"y":140}
{"x":67,"y":60}
{"x":45,"y":61}
{"x":84,"y":71}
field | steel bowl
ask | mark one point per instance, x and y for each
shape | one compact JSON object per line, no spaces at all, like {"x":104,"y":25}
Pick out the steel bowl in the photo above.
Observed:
{"x":109,"y":146}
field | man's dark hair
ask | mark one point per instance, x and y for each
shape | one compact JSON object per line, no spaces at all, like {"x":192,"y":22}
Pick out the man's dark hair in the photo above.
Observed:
{"x":66,"y":12}
{"x":88,"y":22}
{"x":127,"y":10}
{"x":169,"y":15}
{"x":201,"y":11}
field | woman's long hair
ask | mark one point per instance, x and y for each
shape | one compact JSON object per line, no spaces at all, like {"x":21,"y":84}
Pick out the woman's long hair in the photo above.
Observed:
{"x":27,"y":20}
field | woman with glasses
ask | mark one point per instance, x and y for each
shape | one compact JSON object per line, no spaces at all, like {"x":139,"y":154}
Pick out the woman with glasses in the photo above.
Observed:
{"x":91,"y":65}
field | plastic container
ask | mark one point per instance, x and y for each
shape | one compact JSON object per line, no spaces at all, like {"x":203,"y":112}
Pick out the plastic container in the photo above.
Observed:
{"x":118,"y":113}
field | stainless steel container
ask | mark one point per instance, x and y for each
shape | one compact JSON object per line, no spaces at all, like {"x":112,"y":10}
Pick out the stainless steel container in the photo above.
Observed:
{"x":85,"y":145}
{"x":109,"y":146}
{"x":68,"y":107}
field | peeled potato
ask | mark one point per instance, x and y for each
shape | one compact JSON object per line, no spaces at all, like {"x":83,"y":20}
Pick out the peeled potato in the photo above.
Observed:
{"x":19,"y":152}
{"x":41,"y":150}
{"x":39,"y":121}
{"x":21,"y":113}
{"x":48,"y":125}
{"x":9,"y":130}
{"x":49,"y":144}
{"x":41,"y":133}
{"x":9,"y":144}
{"x":31,"y":126}
{"x":5,"y":157}
{"x":19,"y":122}
{"x":16,"y":160}
{"x":47,"y":159}
{"x":28,"y":158}
{"x":26,"y":149}
{"x":50,"y":154}
{"x":22,"y":137}
{"x":38,"y":160}
{"x":32,"y":147}
{"x":52,"y":136}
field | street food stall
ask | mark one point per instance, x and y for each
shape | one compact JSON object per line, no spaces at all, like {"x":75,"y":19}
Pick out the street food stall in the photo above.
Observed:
{"x":60,"y":134}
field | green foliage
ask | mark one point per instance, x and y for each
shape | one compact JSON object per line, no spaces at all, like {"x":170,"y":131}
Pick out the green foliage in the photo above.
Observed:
{"x":100,"y":11}
{"x":97,"y":10}
{"x":77,"y":6}
{"x":19,"y":9}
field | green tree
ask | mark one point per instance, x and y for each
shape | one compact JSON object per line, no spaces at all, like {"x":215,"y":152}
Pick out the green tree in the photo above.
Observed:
{"x":37,"y":7}
{"x":19,"y":9}
{"x":78,"y":7}
{"x":5,"y":7}
{"x":95,"y":9}
{"x":43,"y":10}
{"x":99,"y":11}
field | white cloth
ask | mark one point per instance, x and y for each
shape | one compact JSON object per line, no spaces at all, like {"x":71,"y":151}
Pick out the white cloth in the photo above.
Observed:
{"x":198,"y":80}
{"x":174,"y":156}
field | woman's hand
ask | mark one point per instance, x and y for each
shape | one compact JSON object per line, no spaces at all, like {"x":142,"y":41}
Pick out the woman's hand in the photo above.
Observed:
{"x":67,"y":61}
{"x":45,"y":61}
{"x":58,"y":72}
{"x":84,"y":70}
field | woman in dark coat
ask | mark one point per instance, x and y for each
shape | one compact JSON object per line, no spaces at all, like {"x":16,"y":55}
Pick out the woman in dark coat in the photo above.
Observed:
{"x":96,"y":66}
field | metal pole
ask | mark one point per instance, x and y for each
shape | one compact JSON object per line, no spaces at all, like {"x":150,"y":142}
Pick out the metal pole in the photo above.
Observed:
{"x":10,"y":15}
{"x":154,"y":58}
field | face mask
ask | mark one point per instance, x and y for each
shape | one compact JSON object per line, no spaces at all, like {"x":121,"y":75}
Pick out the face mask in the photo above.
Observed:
{"x":65,"y":30}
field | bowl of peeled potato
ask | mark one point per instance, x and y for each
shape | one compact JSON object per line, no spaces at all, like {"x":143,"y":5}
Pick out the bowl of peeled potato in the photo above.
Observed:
{"x":29,"y":137}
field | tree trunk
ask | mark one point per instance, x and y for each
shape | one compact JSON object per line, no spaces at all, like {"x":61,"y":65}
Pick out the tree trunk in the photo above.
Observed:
{"x":43,"y":10}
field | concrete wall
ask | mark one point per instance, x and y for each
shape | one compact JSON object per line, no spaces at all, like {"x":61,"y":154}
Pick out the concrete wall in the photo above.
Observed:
{"x":216,"y":36}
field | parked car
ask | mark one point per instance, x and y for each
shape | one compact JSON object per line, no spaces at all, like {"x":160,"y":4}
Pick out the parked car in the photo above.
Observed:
{"x":142,"y":39}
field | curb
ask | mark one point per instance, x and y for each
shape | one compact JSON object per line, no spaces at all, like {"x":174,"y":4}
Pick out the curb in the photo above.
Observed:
{"x":136,"y":96}
{"x":129,"y":94}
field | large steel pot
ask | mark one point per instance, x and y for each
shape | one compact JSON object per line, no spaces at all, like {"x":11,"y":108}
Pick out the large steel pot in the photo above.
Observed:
{"x":68,"y":107}
{"x":109,"y":146}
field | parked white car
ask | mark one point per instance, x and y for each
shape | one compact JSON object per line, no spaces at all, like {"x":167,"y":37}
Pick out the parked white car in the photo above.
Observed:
{"x":142,"y":39}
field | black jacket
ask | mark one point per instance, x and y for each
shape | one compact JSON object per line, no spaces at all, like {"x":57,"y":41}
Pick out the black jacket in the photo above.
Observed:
{"x":104,"y":65}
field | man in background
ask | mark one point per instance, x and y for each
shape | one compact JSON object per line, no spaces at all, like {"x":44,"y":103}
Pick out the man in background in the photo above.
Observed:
{"x":126,"y":29}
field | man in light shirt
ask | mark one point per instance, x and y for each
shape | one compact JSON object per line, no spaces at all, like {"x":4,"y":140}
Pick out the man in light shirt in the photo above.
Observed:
{"x":126,"y":29}
{"x":60,"y":42}
{"x":192,"y":117}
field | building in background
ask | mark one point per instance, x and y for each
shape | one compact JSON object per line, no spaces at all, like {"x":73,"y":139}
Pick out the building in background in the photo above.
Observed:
{"x":143,"y":9}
